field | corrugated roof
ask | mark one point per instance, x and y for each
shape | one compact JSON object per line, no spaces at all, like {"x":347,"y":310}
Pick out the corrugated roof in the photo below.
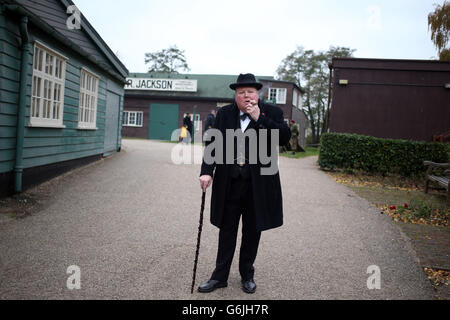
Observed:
{"x":208,"y":85}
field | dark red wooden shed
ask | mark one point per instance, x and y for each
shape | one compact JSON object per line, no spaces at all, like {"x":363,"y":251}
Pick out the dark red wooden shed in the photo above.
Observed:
{"x":399,"y":99}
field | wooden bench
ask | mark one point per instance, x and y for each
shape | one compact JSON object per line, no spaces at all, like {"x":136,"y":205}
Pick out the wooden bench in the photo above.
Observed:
{"x":442,"y":180}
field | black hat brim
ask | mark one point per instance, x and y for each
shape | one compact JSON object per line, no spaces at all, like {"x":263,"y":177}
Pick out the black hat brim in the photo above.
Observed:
{"x":256,"y":85}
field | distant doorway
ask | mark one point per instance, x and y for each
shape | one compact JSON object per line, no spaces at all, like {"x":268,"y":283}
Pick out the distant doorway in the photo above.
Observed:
{"x":163,"y":121}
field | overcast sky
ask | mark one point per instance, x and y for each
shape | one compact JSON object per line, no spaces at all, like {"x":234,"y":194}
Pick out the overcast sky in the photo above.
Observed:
{"x":240,"y":36}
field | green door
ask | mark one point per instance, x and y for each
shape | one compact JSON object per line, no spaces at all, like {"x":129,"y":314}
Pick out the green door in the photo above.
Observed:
{"x":163,"y":121}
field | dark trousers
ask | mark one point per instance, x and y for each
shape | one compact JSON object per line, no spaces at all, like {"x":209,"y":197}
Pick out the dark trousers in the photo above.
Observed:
{"x":239,"y":202}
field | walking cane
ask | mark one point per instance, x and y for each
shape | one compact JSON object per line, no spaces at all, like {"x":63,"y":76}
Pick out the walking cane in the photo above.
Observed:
{"x":200,"y":226}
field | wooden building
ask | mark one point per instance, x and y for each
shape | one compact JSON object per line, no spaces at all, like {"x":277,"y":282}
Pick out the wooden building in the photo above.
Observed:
{"x":155,"y":104}
{"x":61,"y":97}
{"x":398,"y":99}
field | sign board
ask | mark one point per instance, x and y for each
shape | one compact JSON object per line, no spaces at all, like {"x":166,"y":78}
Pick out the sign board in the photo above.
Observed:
{"x":184,"y":85}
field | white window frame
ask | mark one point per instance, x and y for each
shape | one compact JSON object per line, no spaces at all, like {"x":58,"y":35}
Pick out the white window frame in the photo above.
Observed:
{"x":45,"y":111}
{"x":127,"y":123}
{"x":295,"y":98}
{"x":300,"y":101}
{"x":280,"y":95}
{"x":88,"y":100}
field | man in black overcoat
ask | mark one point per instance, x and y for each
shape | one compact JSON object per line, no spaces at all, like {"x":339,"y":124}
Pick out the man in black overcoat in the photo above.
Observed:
{"x":210,"y":118}
{"x":242,"y":187}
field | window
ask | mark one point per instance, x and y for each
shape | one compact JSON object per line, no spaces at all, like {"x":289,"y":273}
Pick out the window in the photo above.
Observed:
{"x":278,"y":95}
{"x":297,"y":99}
{"x":47,"y":88}
{"x":300,"y":101}
{"x":87,"y":112}
{"x":222,"y":104}
{"x":132,"y":118}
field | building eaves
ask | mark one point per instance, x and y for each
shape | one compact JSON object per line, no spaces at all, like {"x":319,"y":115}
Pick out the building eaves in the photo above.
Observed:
{"x":286,"y":82}
{"x":99,"y":42}
{"x":14,"y":6}
{"x":209,"y":86}
{"x":390,"y":64}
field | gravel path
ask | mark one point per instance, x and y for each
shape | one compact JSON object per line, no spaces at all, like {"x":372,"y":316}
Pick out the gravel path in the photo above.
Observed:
{"x":130,"y":223}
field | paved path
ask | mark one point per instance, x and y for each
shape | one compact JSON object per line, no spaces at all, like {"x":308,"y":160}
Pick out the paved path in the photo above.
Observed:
{"x":130,"y":224}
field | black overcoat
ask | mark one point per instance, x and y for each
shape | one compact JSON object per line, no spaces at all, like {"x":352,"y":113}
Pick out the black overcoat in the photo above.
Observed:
{"x":267,"y":193}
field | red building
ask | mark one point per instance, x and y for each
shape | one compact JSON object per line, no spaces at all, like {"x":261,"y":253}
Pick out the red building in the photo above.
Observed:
{"x":399,"y":99}
{"x":155,"y":104}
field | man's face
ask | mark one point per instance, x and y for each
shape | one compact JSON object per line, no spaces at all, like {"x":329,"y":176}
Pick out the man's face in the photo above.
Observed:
{"x":246,"y":96}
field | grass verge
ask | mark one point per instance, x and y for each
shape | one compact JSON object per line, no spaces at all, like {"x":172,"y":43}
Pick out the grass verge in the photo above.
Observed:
{"x":309,"y":151}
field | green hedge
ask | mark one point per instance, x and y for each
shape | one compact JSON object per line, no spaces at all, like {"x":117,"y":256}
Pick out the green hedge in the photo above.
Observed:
{"x":375,"y":155}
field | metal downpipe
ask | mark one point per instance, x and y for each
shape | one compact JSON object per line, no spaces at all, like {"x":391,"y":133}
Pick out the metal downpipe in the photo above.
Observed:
{"x":26,"y":50}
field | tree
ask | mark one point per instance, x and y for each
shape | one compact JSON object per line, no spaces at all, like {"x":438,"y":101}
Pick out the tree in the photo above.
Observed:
{"x":439,"y":24}
{"x":310,"y":71}
{"x":169,"y":60}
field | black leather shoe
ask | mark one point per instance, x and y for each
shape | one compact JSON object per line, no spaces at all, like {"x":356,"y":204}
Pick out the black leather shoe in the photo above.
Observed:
{"x":212,"y":285}
{"x":249,"y":286}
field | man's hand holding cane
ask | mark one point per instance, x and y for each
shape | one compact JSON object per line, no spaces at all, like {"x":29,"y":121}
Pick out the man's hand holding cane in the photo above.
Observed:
{"x":205,"y":182}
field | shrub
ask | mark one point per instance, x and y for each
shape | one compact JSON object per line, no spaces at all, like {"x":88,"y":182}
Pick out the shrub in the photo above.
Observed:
{"x":376,"y":155}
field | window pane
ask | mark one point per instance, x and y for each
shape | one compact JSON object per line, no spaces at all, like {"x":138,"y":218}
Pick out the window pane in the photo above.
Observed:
{"x":88,"y":84}
{"x":55,"y":110}
{"x":46,"y":88}
{"x":45,"y":108}
{"x":57,"y":68}
{"x":41,"y":60}
{"x":33,"y":106}
{"x":139,"y":119}
{"x":125,"y":118}
{"x":92,"y":109}
{"x":35,"y":80}
{"x":283,"y":95}
{"x":86,"y":115}
{"x":132,"y":118}
{"x":82,"y":100}
{"x":36,"y":58}
{"x":273,"y":94}
{"x":56,"y":92}
{"x":36,"y":96}
{"x":82,"y":80}
{"x":49,"y":64}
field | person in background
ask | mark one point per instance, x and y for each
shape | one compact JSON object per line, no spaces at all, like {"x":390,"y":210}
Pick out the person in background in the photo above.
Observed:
{"x":188,"y":123}
{"x":210,"y":118}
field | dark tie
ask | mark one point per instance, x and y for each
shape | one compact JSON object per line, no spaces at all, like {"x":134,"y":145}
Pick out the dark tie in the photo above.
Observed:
{"x":244,"y":116}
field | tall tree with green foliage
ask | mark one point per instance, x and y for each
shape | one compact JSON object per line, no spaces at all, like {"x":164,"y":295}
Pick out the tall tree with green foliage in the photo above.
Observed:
{"x":170,"y":60}
{"x":439,"y":24}
{"x":310,"y":71}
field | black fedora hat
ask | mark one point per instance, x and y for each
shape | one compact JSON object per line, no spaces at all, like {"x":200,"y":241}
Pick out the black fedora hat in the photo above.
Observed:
{"x":246,"y":80}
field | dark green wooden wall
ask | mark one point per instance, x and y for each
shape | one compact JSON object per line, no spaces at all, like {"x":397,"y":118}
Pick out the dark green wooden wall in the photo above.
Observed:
{"x":45,"y":145}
